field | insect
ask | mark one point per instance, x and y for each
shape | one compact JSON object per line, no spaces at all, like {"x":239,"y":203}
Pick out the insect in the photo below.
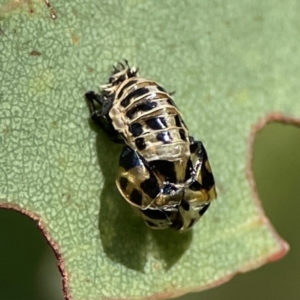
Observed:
{"x":163,"y":172}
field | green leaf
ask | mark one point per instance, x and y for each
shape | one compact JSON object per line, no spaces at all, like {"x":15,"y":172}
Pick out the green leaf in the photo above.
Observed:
{"x":232,"y":64}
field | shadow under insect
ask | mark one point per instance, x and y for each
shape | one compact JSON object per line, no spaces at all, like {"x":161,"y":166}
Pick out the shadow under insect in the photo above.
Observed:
{"x":125,"y":237}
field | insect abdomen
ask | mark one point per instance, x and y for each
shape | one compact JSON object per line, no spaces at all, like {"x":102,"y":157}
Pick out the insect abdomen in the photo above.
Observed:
{"x":146,"y":116}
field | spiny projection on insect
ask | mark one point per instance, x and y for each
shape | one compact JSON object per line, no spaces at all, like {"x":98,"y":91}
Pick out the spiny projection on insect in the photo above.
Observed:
{"x":163,"y":172}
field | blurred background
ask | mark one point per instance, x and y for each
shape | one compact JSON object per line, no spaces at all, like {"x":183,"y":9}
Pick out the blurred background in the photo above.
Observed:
{"x":28,"y":266}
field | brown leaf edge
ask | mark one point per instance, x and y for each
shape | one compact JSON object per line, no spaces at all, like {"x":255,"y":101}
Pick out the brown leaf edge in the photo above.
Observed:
{"x":273,"y":117}
{"x":270,"y":118}
{"x":50,"y":241}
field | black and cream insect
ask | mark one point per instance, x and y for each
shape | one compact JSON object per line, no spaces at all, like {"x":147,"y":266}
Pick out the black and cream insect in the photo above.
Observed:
{"x":163,"y":172}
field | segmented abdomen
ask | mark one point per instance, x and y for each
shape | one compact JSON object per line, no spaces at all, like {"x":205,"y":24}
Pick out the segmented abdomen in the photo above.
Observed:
{"x":147,"y":118}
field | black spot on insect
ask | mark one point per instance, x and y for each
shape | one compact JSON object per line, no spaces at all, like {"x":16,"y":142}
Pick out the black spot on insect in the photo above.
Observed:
{"x":195,"y":186}
{"x":161,"y":89}
{"x":207,"y":178}
{"x":129,"y":159}
{"x":177,"y":121}
{"x":157,"y":123}
{"x":125,"y":102}
{"x":182,"y":134}
{"x":156,"y":214}
{"x":137,"y":93}
{"x":140,"y":143}
{"x":136,"y":197}
{"x":164,"y":137}
{"x":165,"y":168}
{"x":128,"y":84}
{"x":136,"y":129}
{"x":171,"y":102}
{"x":200,"y":151}
{"x":145,"y":106}
{"x":168,"y":189}
{"x":185,"y":205}
{"x":123,"y":183}
{"x":191,"y":139}
{"x":193,"y":148}
{"x":204,"y":209}
{"x":150,"y":187}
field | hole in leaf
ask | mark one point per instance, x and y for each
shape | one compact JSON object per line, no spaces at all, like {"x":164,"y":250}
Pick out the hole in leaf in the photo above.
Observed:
{"x":28,"y":267}
{"x":276,"y":168}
